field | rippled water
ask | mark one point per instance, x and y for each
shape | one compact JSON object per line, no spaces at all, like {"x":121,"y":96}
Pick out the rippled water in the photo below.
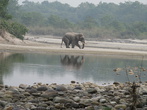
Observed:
{"x":28,"y":68}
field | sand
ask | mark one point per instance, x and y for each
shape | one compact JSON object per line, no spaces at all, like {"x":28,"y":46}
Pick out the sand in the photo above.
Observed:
{"x":50,"y":44}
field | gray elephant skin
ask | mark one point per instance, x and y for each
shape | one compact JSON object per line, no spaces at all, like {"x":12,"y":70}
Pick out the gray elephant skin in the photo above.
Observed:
{"x":73,"y":39}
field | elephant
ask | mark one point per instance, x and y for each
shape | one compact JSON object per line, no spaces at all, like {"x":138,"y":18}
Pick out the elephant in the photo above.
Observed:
{"x":73,"y":39}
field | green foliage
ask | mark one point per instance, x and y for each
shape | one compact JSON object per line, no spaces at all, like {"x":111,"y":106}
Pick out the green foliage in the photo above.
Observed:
{"x":13,"y":8}
{"x":18,"y":30}
{"x":88,"y":23}
{"x":3,"y":10}
{"x":58,"y":22}
{"x":32,"y":19}
{"x":105,"y":20}
{"x":14,"y":28}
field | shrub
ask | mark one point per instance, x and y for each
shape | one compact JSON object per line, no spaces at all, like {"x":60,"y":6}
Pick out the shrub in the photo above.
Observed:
{"x":14,"y":28}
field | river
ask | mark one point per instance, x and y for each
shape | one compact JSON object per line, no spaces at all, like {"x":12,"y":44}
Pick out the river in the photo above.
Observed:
{"x":29,"y":68}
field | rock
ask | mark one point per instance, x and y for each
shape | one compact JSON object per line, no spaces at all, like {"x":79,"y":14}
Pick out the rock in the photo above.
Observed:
{"x":85,"y":101}
{"x":113,"y":102}
{"x":86,"y":96}
{"x":3,"y":103}
{"x":28,"y":105}
{"x":26,"y":94}
{"x":120,"y":106}
{"x":61,"y":93}
{"x":96,"y":99}
{"x":89,"y":108}
{"x":36,"y":94}
{"x":8,"y":95}
{"x":1,"y":86}
{"x":102,"y":100}
{"x":116,"y":83}
{"x":1,"y":94}
{"x":78,"y":87}
{"x":33,"y":107}
{"x":91,"y":90}
{"x":143,"y":89}
{"x":49,"y":94}
{"x":73,"y":81}
{"x":8,"y":108}
{"x":122,"y":101}
{"x":31,"y":90}
{"x":23,"y":86}
{"x":14,"y":90}
{"x":145,"y":108}
{"x":40,"y":108}
{"x":61,"y":100}
{"x":117,"y":98}
{"x":60,"y":88}
{"x":59,"y":106}
{"x":76,"y":99}
{"x":42,"y":88}
{"x":144,"y":93}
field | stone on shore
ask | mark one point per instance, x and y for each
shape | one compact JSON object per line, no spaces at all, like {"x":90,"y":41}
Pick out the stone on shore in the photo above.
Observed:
{"x":74,"y":96}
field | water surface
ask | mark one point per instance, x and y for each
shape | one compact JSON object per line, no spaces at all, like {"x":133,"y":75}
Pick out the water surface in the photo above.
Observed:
{"x":28,"y":68}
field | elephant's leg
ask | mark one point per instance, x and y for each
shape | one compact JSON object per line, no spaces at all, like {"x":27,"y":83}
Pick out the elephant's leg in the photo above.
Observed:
{"x":66,"y":41}
{"x":73,"y":44}
{"x":77,"y":44}
{"x":67,"y":45}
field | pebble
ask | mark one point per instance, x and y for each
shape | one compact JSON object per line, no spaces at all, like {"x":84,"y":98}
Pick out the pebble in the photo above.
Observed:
{"x":120,"y":106}
{"x":103,"y":100}
{"x":74,"y":96}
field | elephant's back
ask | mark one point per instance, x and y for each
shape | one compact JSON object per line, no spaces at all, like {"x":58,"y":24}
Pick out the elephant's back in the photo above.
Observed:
{"x":70,"y":34}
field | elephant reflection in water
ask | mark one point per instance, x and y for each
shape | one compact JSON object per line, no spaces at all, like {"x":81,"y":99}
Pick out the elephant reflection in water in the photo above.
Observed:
{"x":72,"y":62}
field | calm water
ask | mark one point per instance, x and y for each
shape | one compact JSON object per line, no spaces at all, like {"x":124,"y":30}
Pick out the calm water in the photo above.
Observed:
{"x":27,"y":68}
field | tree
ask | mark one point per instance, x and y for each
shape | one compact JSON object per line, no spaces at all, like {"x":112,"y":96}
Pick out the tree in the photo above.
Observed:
{"x":89,"y":23}
{"x":106,"y":20}
{"x":109,"y":17}
{"x":58,"y":22}
{"x":3,"y":10}
{"x":14,"y":28}
{"x":13,"y":8}
{"x":32,"y":19}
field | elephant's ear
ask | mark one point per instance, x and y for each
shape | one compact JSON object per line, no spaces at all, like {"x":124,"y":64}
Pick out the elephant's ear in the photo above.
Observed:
{"x":80,"y":35}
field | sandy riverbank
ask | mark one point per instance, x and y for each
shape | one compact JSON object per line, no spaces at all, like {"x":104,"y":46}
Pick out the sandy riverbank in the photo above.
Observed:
{"x":48,"y":44}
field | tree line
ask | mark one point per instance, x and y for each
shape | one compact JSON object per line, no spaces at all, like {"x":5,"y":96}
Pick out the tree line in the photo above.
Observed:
{"x":105,"y":20}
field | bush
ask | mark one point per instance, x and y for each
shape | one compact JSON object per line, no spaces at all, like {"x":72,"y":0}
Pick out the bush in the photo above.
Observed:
{"x":14,"y":28}
{"x":18,"y":30}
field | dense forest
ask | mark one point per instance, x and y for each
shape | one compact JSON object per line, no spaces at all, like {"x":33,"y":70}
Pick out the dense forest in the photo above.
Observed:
{"x":105,"y":20}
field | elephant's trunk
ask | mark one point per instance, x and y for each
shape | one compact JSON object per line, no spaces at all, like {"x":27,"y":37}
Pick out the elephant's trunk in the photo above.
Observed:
{"x":83,"y":45}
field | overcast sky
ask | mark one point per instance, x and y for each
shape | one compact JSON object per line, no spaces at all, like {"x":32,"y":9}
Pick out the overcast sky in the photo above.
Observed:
{"x":77,"y":2}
